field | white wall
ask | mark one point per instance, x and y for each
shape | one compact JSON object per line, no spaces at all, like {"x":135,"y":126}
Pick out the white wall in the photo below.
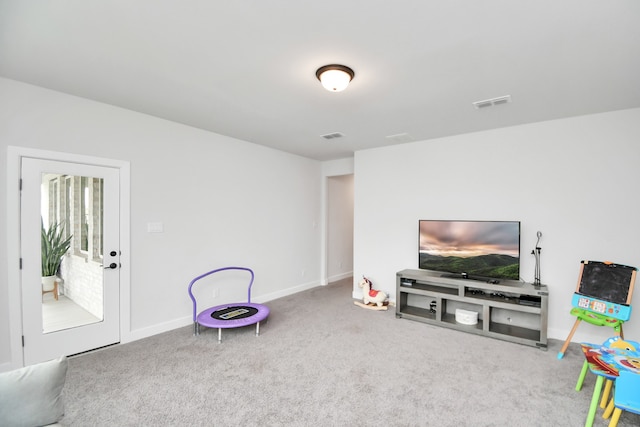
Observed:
{"x":222,"y":202}
{"x":575,"y":180}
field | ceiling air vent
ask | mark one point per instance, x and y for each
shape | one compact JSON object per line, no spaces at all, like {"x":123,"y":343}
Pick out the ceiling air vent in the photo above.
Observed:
{"x":333,"y":135}
{"x":493,"y":101}
{"x":400,"y":137}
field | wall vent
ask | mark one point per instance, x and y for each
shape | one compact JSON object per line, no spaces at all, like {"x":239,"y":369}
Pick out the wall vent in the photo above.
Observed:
{"x":333,"y":135}
{"x":492,"y":102}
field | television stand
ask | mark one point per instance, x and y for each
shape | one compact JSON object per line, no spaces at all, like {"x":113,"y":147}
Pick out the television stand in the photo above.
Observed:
{"x":510,"y":310}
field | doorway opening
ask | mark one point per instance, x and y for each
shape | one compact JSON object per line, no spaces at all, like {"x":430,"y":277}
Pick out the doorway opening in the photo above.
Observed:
{"x":339,"y":227}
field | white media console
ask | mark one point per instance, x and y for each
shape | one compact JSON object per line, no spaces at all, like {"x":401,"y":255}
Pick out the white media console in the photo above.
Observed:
{"x":509,"y":310}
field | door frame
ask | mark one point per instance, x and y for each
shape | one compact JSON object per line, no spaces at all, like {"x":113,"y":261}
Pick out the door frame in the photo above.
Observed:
{"x":14,"y":157}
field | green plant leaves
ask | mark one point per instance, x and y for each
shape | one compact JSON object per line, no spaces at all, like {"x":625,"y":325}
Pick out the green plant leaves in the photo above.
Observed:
{"x":54,"y":246}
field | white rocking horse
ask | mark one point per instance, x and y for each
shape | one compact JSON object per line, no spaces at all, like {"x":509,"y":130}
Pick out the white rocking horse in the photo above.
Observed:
{"x":371,"y":298}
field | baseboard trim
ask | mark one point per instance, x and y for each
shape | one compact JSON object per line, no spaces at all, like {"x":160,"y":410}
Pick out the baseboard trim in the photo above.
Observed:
{"x":261,"y":299}
{"x":340,"y":276}
{"x":149,"y":331}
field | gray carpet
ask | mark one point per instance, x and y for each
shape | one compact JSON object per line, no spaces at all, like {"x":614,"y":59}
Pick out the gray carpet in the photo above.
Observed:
{"x":322,"y":361}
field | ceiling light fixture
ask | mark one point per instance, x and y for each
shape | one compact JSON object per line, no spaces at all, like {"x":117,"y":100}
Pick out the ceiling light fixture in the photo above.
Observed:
{"x":334,"y":77}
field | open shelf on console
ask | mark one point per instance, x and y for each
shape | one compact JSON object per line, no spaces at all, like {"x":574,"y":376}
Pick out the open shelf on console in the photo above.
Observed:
{"x":515,"y":331}
{"x":505,"y":297}
{"x":430,"y":287}
{"x":450,"y":319}
{"x":420,"y":312}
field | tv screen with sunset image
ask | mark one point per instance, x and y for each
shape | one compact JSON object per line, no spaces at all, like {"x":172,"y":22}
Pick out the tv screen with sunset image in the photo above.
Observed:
{"x":473,"y":249}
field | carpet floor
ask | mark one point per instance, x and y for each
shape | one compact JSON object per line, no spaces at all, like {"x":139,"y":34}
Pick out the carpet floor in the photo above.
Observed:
{"x":322,"y":361}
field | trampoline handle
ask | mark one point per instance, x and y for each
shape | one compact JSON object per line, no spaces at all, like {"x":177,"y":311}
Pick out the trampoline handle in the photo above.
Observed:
{"x":193,"y":299}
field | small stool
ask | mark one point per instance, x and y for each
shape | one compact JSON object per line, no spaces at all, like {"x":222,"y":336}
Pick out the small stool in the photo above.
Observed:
{"x":54,"y":290}
{"x":625,"y":396}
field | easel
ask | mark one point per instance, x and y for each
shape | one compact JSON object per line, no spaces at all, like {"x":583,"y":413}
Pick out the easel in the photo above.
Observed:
{"x":602,"y":297}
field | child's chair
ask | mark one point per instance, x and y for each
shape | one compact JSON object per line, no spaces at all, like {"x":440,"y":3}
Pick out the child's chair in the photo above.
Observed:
{"x":626,"y":396}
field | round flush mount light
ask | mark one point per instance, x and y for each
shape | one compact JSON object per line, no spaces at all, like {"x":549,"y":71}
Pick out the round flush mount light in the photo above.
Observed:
{"x":335,"y":77}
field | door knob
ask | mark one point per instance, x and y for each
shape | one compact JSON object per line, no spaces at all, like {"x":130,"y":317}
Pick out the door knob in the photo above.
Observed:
{"x":112,"y":266}
{"x":113,"y":253}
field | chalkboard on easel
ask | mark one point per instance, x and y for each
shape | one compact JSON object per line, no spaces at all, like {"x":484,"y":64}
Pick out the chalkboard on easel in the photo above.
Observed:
{"x":607,"y":281}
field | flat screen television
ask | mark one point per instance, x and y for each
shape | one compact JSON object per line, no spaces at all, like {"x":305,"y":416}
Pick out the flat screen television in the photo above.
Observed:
{"x":481,"y":250}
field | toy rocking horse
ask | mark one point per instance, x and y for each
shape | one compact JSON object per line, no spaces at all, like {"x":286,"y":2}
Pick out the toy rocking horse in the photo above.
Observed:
{"x":371,"y":299}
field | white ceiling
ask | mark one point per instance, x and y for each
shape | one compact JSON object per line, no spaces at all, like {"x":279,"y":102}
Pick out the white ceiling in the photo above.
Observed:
{"x":246,"y":68}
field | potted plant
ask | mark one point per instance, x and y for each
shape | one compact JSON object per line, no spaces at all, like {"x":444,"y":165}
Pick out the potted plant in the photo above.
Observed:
{"x":54,"y":246}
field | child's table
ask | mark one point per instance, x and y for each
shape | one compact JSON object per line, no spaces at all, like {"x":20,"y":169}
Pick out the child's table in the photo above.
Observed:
{"x":606,"y":361}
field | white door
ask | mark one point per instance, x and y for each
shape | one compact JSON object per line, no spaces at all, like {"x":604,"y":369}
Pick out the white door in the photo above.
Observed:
{"x":81,"y":312}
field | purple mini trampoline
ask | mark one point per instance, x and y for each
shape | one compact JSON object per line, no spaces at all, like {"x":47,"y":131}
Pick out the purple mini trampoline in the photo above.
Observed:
{"x":234,"y":315}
